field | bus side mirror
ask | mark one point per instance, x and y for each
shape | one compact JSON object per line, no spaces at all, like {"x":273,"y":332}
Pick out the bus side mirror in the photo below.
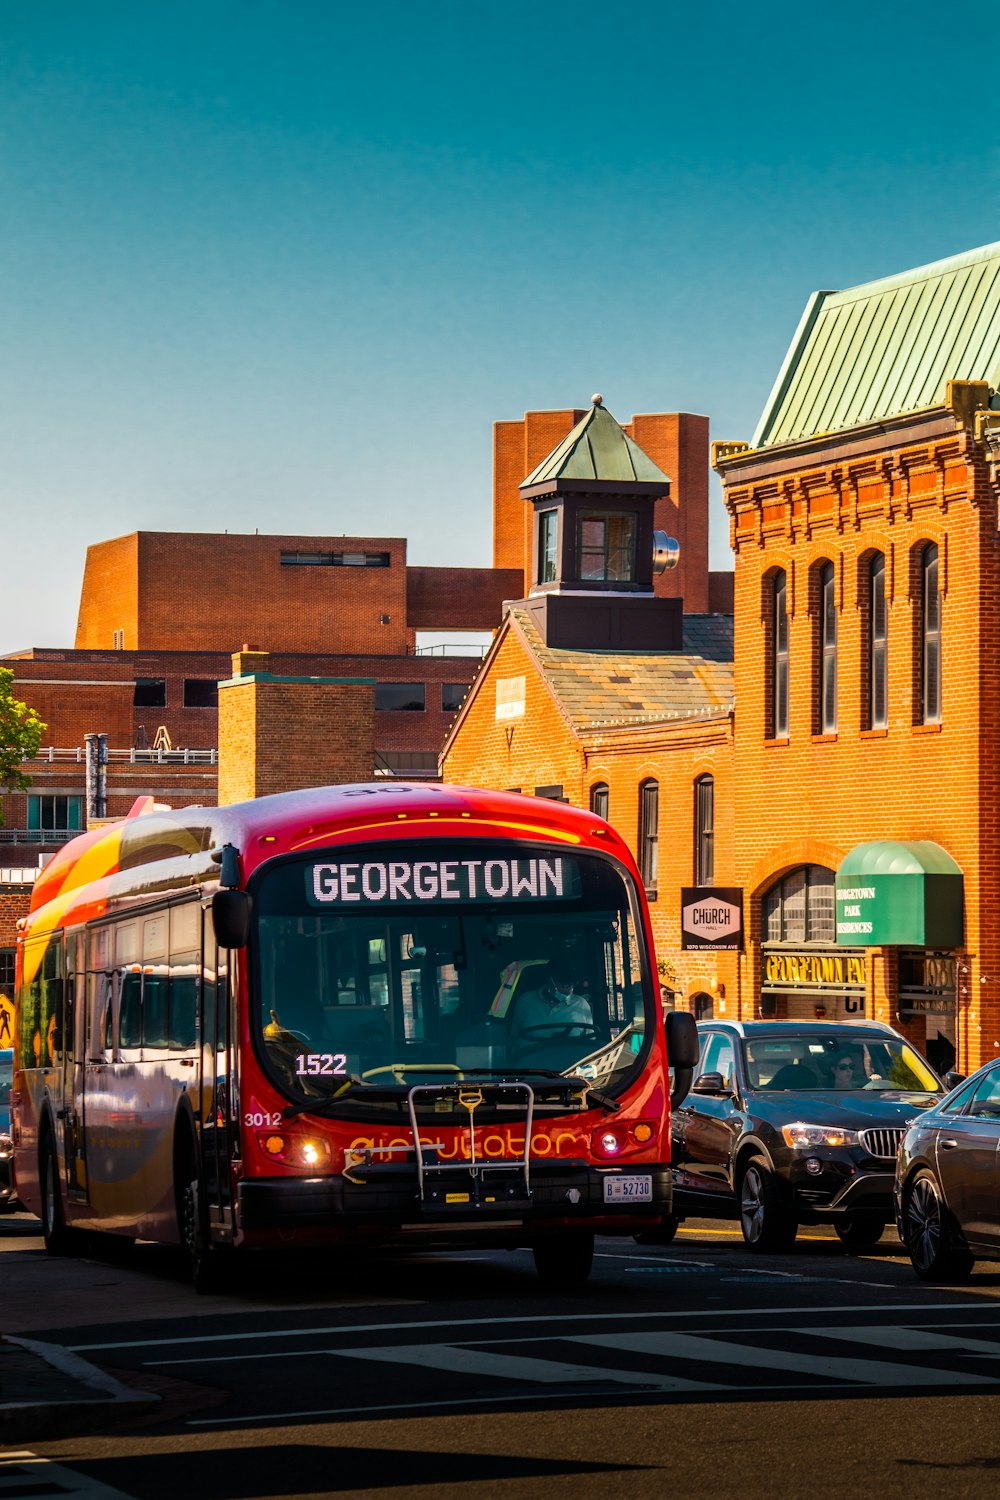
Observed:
{"x":683,"y":1047}
{"x":231,"y":911}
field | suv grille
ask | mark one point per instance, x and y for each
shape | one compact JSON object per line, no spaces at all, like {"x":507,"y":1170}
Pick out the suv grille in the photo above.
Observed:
{"x":883,"y":1143}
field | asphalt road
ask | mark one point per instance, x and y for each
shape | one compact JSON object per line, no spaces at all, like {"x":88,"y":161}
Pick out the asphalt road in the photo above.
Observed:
{"x":683,"y":1369}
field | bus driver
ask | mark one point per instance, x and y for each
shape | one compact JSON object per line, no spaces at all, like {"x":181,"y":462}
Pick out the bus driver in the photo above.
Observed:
{"x":555,"y":1003}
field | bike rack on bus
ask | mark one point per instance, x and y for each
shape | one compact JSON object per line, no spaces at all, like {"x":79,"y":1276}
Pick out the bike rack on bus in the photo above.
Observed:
{"x":487,"y":1179}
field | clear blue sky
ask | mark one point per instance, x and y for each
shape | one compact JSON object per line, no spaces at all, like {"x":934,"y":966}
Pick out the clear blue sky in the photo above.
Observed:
{"x":280,"y":264}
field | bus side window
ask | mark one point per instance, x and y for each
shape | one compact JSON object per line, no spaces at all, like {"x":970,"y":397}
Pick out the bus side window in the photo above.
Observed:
{"x":130,"y":1010}
{"x":155,"y":994}
{"x":183,"y":1033}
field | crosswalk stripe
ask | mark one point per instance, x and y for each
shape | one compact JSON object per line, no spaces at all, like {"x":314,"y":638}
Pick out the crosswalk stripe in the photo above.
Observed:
{"x":25,"y":1473}
{"x":751,"y":1357}
{"x":914,"y":1340}
{"x":515,"y":1367}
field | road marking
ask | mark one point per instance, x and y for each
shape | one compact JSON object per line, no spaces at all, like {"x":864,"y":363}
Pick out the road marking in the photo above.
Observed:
{"x":515,"y":1367}
{"x":673,"y":1346}
{"x":345,"y":1329}
{"x":25,"y":1473}
{"x":914,"y":1340}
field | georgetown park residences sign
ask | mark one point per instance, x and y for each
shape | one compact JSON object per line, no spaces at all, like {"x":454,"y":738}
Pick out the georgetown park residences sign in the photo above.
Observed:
{"x":902,"y":894}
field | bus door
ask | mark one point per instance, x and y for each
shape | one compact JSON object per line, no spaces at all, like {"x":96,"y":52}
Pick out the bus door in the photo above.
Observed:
{"x":92,"y":1086}
{"x":73,"y":1038}
{"x":217,"y":1086}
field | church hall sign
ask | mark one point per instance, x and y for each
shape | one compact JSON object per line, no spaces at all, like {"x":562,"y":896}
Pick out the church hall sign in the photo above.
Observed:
{"x":814,"y":969}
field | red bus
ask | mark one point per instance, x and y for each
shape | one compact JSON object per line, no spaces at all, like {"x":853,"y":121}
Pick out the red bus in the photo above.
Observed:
{"x":387,"y":1012}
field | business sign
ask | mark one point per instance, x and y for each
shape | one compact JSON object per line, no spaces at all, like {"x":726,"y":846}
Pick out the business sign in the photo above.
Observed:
{"x":711,"y":918}
{"x":813,"y":970}
{"x":438,"y":882}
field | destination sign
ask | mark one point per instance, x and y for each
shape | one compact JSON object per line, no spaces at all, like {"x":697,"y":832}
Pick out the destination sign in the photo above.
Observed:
{"x":434,"y":882}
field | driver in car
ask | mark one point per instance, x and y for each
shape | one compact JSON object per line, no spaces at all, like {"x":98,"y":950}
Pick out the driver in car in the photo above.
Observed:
{"x":555,"y":1004}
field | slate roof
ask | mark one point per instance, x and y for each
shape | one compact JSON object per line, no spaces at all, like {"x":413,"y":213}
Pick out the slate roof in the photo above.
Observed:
{"x":597,"y":448}
{"x":887,"y":347}
{"x":604,"y":689}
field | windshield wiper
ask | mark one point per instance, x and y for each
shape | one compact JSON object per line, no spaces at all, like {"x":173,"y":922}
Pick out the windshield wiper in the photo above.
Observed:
{"x":320,"y":1106}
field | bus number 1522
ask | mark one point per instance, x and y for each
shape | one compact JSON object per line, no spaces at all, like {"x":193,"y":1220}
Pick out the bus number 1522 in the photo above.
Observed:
{"x":314,"y":1063}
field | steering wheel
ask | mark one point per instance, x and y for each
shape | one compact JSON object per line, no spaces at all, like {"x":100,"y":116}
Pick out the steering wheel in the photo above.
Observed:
{"x":539,"y":1037}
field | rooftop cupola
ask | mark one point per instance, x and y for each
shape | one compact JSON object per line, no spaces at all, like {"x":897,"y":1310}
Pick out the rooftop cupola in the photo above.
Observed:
{"x":595,"y":548}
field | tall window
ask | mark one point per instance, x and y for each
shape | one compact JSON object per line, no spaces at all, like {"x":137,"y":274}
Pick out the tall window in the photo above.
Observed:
{"x":930,"y":638}
{"x":599,"y":799}
{"x":606,"y":550}
{"x":649,"y":820}
{"x":800,"y":908}
{"x":779,"y":659}
{"x":51,"y":812}
{"x":548,"y":532}
{"x":828,"y":650}
{"x":704,"y":803}
{"x":878,"y":644}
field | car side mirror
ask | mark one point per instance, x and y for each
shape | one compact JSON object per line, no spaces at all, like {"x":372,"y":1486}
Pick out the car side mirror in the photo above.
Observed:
{"x":710,"y":1083}
{"x":231,"y":912}
{"x":952,"y":1080}
{"x":683,"y":1049}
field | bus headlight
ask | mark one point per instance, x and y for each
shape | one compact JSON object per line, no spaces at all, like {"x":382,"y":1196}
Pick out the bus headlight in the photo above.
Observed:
{"x":293,"y":1150}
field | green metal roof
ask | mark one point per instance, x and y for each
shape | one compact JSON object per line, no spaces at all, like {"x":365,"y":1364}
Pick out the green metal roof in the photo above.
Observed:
{"x":597,"y":448}
{"x":887,"y":347}
{"x":899,"y":894}
{"x":894,"y":857}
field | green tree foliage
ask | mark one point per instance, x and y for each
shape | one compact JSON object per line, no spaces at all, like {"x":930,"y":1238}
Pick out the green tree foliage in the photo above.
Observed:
{"x":21,"y":733}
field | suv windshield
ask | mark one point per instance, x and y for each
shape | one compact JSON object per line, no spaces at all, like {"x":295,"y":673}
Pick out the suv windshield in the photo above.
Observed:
{"x":410,"y":963}
{"x":833,"y":1062}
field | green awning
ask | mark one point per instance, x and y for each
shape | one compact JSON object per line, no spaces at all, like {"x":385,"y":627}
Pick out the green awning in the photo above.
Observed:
{"x":905,"y":894}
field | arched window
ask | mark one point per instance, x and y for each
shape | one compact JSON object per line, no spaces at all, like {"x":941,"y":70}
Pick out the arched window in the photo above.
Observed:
{"x":779,"y":658}
{"x":878,"y":644}
{"x":828,"y":650}
{"x":930,"y":637}
{"x":599,"y":799}
{"x":704,"y":830}
{"x":800,"y":908}
{"x":649,"y":819}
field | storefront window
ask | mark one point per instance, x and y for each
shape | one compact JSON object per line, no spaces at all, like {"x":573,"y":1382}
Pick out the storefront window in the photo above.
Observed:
{"x":800,"y":908}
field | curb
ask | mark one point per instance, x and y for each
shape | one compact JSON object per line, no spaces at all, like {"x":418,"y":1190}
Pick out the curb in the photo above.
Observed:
{"x":33,"y":1421}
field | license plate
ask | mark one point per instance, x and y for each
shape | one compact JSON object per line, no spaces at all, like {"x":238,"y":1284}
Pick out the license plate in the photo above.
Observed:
{"x":628,"y":1189}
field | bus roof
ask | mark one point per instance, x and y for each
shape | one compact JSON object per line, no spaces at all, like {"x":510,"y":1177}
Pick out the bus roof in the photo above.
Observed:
{"x":156,"y":849}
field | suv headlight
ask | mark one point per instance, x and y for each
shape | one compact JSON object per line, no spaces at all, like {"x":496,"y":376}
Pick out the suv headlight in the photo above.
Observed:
{"x":805,"y":1137}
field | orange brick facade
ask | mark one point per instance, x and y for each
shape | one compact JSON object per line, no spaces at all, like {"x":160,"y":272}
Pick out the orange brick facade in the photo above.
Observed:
{"x":810,"y":797}
{"x":280,"y":735}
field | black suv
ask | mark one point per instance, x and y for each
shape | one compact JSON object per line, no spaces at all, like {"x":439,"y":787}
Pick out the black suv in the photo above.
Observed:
{"x":797,"y":1122}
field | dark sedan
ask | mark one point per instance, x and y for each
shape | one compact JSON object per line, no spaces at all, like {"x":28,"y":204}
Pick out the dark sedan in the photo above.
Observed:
{"x":948,"y":1181}
{"x":797,"y":1122}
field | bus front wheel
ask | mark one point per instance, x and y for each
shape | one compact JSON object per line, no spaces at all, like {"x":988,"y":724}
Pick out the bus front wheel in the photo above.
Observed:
{"x":58,"y":1238}
{"x":565,"y":1258}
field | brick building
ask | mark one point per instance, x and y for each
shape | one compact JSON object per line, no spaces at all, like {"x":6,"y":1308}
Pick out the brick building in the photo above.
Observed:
{"x":867,"y":565}
{"x":601,"y":689}
{"x":161,"y":614}
{"x":855,"y":790}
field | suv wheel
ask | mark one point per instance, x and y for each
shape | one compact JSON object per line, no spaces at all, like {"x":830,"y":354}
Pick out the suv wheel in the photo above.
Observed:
{"x":859,"y":1235}
{"x":767,"y":1218}
{"x":933,"y":1241}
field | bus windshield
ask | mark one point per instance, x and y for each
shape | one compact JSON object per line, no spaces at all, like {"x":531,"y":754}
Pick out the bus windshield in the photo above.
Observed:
{"x":415,"y":963}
